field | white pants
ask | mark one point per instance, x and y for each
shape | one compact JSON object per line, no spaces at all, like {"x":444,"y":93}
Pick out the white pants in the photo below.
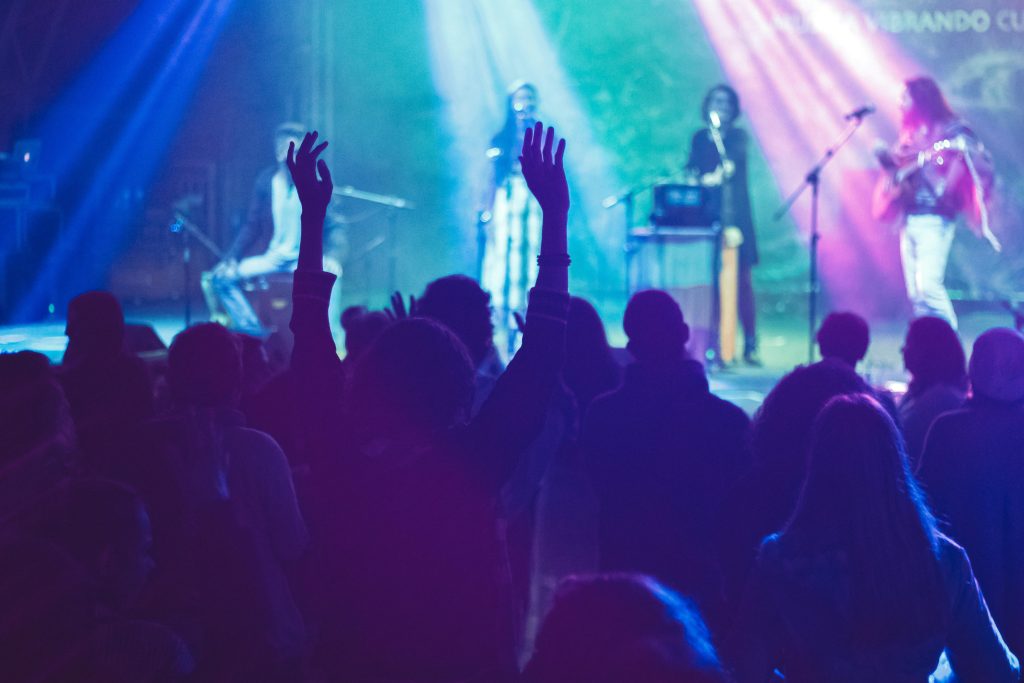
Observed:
{"x":924,"y":247}
{"x":510,"y":251}
{"x":225,"y":298}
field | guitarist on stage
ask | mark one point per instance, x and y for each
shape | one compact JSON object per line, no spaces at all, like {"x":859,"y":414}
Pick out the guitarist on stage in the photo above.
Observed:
{"x":937,"y":170}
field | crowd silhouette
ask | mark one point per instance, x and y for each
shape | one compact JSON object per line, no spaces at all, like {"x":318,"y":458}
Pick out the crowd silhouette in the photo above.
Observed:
{"x":422,"y":512}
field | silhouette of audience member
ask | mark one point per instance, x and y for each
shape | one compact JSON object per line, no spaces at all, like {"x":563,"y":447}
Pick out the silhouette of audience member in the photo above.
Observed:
{"x":934,"y":357}
{"x":409,"y":487}
{"x":459,"y":303}
{"x":590,"y":369}
{"x":859,"y":584}
{"x":90,"y":544}
{"x":225,"y":513}
{"x":107,"y":387}
{"x":766,"y":494}
{"x":38,"y":434}
{"x":361,"y":327}
{"x":845,"y":337}
{"x":619,"y":628}
{"x":973,"y":471}
{"x":662,"y":452}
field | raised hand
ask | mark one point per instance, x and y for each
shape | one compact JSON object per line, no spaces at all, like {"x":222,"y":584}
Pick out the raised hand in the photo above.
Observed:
{"x":544,"y":172}
{"x":314,"y":193}
{"x":398,"y":310}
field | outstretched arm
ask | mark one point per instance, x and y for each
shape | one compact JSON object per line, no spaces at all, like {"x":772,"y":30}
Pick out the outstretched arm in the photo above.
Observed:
{"x":515,"y":412}
{"x":545,"y":176}
{"x":315,"y":362}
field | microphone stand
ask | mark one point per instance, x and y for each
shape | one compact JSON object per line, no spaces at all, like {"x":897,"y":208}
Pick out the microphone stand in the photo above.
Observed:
{"x":813,"y":180}
{"x":393,"y":205}
{"x":183,"y":226}
{"x":627,"y":198}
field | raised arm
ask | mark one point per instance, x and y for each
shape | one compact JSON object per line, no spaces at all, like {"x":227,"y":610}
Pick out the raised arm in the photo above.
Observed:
{"x":515,"y":411}
{"x":315,"y":362}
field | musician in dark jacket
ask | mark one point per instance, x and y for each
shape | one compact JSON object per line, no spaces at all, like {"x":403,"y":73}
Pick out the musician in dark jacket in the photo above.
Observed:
{"x":730,"y":196}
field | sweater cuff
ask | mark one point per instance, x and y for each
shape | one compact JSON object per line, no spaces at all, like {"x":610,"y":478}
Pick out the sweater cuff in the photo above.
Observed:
{"x":548,"y":303}
{"x":313,"y":284}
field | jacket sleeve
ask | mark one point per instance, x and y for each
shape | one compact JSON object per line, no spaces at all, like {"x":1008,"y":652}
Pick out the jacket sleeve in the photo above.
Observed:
{"x":316,"y":368}
{"x":976,"y":649}
{"x":515,"y":412}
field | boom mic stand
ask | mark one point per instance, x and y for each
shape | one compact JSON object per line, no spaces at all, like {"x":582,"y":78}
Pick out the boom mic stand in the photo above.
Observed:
{"x":813,"y":180}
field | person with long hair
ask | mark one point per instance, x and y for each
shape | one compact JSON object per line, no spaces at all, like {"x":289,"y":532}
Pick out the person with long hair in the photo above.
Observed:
{"x":509,"y":218}
{"x":859,"y":585}
{"x":727,"y":178}
{"x":937,"y":170}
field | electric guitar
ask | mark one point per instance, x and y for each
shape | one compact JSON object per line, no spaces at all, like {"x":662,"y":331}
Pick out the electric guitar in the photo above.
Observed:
{"x":934,"y":163}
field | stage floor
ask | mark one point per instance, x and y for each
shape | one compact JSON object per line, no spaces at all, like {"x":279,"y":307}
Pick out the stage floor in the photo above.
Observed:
{"x":783,"y":346}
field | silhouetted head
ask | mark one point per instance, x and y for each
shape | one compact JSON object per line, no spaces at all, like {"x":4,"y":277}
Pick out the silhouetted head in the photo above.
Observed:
{"x":204,"y":366}
{"x":615,"y":628}
{"x":933,"y":354}
{"x":361,"y":328}
{"x":844,"y":336}
{"x":460,"y":304}
{"x":104,"y":525}
{"x":95,"y":328}
{"x":33,"y":410}
{"x":655,"y":327}
{"x":997,"y":365}
{"x":923,"y":103}
{"x":589,"y":369}
{"x":723,"y":100}
{"x":416,"y":379}
{"x":286,"y":134}
{"x":782,"y":425}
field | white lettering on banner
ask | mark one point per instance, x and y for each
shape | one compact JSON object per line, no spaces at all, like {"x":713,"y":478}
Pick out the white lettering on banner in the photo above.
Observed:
{"x":950,"y":21}
{"x":1010,"y":20}
{"x":831,"y":21}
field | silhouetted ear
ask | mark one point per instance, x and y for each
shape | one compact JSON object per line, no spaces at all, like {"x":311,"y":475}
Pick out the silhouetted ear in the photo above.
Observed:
{"x":685,"y":333}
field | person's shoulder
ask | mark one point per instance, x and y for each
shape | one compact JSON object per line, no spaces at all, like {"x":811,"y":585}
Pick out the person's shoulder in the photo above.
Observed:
{"x":255,"y":439}
{"x":953,"y":559}
{"x":253,"y":448}
{"x":728,"y":409}
{"x":770,"y":551}
{"x":953,"y":424}
{"x":604,"y":407}
{"x":959,"y":127}
{"x":739,"y":134}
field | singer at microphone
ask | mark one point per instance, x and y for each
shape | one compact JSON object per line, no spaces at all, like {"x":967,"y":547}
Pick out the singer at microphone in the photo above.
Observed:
{"x":725,"y":177}
{"x":508,"y":217}
{"x":860,"y":112}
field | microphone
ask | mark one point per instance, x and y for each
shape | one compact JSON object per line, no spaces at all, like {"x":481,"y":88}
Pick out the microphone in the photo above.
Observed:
{"x":715,"y":119}
{"x":860,"y":112}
